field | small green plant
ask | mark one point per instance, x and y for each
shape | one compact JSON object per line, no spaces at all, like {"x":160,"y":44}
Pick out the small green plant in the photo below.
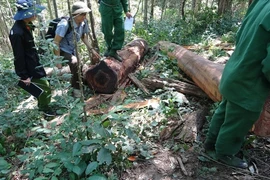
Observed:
{"x":4,"y":167}
{"x":228,"y":37}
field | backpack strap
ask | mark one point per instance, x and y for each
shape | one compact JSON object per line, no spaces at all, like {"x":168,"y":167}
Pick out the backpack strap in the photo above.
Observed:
{"x":69,"y":24}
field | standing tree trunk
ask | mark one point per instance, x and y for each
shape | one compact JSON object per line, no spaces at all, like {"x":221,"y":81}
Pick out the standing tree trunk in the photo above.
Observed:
{"x":163,"y":8}
{"x":138,"y":8}
{"x":152,"y":9}
{"x":41,"y":31}
{"x":194,"y":6}
{"x":145,"y":12}
{"x":94,"y":54}
{"x":182,"y":9}
{"x":50,"y":8}
{"x":4,"y":31}
{"x":92,"y":23}
{"x":79,"y":62}
{"x":55,"y":8}
{"x":224,"y":7}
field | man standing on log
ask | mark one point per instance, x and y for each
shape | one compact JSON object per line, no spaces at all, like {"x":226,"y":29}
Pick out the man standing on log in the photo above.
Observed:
{"x":112,"y":25}
{"x":65,"y":43}
{"x":245,"y":85}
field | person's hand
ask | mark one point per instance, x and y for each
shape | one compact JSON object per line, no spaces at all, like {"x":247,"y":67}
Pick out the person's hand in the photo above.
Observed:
{"x":128,"y":15}
{"x":94,"y":52}
{"x":27,"y":81}
{"x":95,"y":56}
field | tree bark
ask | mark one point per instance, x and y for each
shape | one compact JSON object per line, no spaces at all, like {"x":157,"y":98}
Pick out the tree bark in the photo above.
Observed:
{"x":109,"y":74}
{"x":207,"y":75}
{"x":152,"y":9}
{"x":262,"y":125}
{"x":93,"y":37}
{"x":163,"y":9}
{"x":224,"y":7}
{"x":145,"y":12}
{"x":204,"y":73}
{"x":50,"y":9}
{"x":182,"y":9}
{"x":55,"y":9}
{"x":154,"y":83}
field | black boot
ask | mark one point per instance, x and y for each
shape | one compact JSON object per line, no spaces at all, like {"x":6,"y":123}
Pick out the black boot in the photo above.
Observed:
{"x":210,"y":150}
{"x":114,"y":54}
{"x":106,"y":54}
{"x":48,"y":112}
{"x":232,"y":161}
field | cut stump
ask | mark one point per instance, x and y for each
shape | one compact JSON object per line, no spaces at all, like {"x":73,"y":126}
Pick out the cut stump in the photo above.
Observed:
{"x":109,"y":74}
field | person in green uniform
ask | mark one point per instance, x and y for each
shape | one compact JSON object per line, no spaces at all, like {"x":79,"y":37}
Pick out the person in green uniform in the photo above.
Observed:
{"x":112,"y":25}
{"x":245,"y":85}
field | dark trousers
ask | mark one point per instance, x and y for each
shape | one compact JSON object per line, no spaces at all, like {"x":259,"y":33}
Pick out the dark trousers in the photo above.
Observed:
{"x":112,"y":26}
{"x":45,"y":98}
{"x":73,"y":65}
{"x":229,"y":126}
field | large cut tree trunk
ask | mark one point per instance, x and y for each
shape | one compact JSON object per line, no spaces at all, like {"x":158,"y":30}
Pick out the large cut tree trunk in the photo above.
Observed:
{"x":203,"y":72}
{"x":206,"y":75}
{"x":106,"y":76}
{"x":262,"y":126}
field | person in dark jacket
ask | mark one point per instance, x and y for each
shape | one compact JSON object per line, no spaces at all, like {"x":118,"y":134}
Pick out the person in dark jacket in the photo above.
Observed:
{"x":26,"y":59}
{"x":112,"y":25}
{"x":245,"y":85}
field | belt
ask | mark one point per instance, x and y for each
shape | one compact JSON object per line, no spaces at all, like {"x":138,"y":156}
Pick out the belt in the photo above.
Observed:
{"x":111,"y":5}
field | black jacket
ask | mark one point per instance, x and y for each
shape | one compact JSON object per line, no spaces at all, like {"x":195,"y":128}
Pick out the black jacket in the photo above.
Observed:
{"x":26,"y":59}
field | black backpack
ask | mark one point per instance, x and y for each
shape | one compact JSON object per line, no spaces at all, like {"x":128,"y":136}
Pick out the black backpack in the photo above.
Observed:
{"x":53,"y":25}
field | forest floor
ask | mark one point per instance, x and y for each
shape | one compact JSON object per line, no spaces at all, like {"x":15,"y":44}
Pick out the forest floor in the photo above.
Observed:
{"x":171,"y":158}
{"x":168,"y":163}
{"x":189,"y":161}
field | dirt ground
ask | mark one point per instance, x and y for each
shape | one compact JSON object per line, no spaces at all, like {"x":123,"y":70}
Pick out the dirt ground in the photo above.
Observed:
{"x":193,"y":164}
{"x":190,"y":162}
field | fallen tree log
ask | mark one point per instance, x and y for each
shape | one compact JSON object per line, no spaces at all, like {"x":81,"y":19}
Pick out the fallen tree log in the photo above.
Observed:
{"x":204,"y":73}
{"x":109,"y":74}
{"x":207,"y":75}
{"x":154,"y":82}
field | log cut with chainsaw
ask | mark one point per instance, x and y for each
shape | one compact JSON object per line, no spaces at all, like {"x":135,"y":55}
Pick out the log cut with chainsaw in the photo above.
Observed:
{"x":207,"y":75}
{"x":109,"y":74}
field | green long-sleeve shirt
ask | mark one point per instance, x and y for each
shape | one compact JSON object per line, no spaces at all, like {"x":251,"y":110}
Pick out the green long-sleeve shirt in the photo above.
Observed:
{"x":246,"y":76}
